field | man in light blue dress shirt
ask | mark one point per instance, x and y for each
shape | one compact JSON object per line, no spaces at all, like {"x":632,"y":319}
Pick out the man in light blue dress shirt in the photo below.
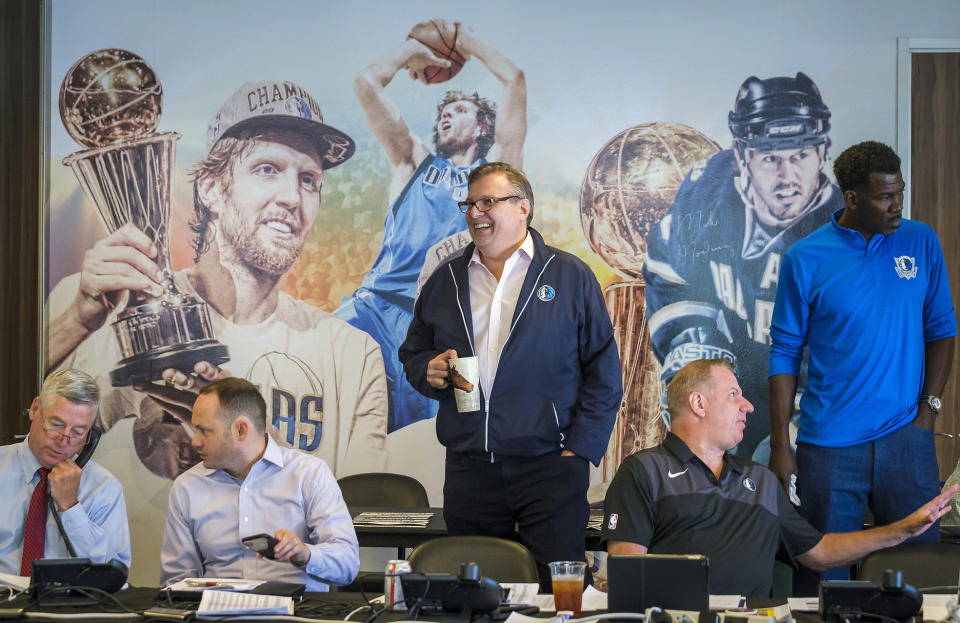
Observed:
{"x":89,"y":500}
{"x":248,"y":485}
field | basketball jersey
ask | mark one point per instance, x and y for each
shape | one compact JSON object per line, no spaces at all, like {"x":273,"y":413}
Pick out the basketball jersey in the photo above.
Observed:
{"x":424,"y":213}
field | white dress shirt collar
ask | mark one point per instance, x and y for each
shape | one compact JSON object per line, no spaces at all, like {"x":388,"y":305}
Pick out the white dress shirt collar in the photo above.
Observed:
{"x":271,"y":454}
{"x":525,"y":247}
{"x":492,"y":306}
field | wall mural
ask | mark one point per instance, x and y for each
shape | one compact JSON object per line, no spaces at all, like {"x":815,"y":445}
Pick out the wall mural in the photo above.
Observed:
{"x":180,"y":248}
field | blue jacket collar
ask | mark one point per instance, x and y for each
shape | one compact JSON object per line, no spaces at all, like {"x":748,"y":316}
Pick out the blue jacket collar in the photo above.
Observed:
{"x":458,"y":267}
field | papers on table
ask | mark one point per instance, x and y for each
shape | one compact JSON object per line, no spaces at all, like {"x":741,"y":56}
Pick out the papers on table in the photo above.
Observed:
{"x":544,"y":602}
{"x":18,"y":582}
{"x":372,"y":519}
{"x":521,"y":592}
{"x":596,"y":519}
{"x":725,"y":602}
{"x":229,"y":602}
{"x":595,"y":600}
{"x":516,"y":617}
{"x":220,"y":584}
{"x":804,"y":604}
{"x":592,"y":600}
{"x":936,"y":607}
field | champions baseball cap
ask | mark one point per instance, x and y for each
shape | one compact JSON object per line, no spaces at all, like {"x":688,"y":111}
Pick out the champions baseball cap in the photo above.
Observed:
{"x":279,"y":104}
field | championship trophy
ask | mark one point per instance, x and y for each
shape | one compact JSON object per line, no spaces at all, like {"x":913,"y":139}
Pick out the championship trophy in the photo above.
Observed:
{"x":628,"y":188}
{"x":110,"y":103}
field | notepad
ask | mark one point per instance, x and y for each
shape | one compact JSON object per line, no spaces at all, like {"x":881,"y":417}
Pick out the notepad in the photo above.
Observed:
{"x":228,"y":602}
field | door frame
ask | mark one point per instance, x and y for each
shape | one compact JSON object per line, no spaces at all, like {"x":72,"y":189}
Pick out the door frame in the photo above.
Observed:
{"x":906,"y":48}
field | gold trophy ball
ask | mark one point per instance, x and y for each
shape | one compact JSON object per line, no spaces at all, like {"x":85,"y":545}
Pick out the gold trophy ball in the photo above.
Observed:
{"x":109,"y":97}
{"x":630,"y":185}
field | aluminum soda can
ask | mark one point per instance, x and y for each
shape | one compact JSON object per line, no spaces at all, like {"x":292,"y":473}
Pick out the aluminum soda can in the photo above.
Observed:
{"x":392,"y":589}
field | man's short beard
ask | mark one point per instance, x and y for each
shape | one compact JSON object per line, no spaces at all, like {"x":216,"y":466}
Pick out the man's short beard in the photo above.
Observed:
{"x":256,"y":255}
{"x":274,"y":262}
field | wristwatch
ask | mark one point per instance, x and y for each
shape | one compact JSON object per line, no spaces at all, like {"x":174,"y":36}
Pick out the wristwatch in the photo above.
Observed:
{"x":932,"y":401}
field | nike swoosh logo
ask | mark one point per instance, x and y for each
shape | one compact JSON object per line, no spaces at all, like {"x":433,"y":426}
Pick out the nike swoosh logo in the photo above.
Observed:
{"x":672,"y":475}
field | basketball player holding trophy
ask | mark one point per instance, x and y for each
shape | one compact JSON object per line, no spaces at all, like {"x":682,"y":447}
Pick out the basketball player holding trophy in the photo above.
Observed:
{"x":256,"y":198}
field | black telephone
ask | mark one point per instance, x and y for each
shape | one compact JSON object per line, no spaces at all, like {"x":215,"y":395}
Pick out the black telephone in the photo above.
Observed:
{"x":49,"y":578}
{"x":857,"y":600}
{"x":93,"y":438}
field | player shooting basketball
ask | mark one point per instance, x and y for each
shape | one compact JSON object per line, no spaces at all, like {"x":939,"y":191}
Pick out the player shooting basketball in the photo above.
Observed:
{"x":256,"y":197}
{"x":425,"y":187}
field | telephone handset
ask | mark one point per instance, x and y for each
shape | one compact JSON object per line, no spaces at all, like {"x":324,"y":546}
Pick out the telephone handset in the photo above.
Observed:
{"x":93,"y":438}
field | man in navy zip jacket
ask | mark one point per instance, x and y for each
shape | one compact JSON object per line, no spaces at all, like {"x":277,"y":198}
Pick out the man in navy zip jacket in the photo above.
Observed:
{"x":549,"y":374}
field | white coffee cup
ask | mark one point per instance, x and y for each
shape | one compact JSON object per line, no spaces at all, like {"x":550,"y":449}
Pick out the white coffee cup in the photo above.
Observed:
{"x":465,"y":378}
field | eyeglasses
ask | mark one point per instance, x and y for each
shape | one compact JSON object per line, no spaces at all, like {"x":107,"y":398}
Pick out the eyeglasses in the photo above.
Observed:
{"x":484,"y":203}
{"x":58,"y":431}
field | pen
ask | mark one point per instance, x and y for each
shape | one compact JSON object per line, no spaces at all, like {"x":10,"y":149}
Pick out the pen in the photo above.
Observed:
{"x":209,"y":583}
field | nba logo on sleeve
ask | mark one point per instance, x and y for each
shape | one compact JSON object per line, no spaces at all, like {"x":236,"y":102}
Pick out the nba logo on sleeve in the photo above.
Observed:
{"x":612,"y":524}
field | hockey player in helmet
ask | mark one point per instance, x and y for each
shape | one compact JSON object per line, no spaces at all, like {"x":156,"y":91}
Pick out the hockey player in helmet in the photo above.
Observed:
{"x":780,"y":130}
{"x":713,"y":260}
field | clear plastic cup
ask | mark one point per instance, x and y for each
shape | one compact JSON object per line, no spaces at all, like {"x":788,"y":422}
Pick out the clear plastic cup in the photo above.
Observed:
{"x":567,"y":577}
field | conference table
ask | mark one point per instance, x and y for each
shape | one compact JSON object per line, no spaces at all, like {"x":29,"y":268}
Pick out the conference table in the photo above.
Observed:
{"x":132,"y":602}
{"x":399,"y":536}
{"x":332,"y":606}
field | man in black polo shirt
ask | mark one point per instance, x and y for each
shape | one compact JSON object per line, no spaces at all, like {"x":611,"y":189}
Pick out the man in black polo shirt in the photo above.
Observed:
{"x":688,"y":496}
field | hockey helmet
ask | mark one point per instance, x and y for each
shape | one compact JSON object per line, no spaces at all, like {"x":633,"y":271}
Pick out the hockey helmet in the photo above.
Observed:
{"x":779,"y":113}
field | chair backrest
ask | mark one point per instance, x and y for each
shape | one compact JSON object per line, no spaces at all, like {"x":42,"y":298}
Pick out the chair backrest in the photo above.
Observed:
{"x":502,"y":560}
{"x":924,"y":565}
{"x":383,"y":489}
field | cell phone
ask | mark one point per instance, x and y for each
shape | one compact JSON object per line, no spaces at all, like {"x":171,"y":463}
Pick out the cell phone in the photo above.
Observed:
{"x":261,"y":543}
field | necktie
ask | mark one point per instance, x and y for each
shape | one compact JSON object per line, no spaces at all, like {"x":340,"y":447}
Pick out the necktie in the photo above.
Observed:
{"x":33,"y":536}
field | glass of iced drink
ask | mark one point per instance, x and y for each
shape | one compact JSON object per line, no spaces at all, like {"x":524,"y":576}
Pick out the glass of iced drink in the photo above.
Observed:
{"x":567,"y":577}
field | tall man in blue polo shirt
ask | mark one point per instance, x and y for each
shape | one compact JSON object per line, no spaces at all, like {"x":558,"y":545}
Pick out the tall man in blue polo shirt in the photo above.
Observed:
{"x":869,"y":293}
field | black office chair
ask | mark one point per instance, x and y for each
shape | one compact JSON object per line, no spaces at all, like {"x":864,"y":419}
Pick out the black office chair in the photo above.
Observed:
{"x":383,"y":489}
{"x":397,"y":491}
{"x":502,"y":560}
{"x":924,"y":565}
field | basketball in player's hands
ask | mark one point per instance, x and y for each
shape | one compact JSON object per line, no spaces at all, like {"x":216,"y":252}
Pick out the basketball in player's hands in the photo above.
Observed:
{"x":440,"y":36}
